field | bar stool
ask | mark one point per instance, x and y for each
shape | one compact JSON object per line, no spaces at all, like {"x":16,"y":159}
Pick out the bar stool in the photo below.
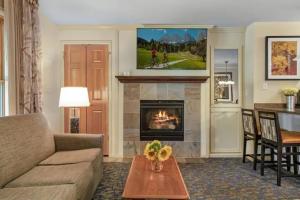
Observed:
{"x":272,"y":137}
{"x":250,"y":134}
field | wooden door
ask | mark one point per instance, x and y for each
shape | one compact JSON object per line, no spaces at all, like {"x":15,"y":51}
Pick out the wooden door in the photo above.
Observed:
{"x":75,"y":75}
{"x":87,"y":66}
{"x":97,"y":83}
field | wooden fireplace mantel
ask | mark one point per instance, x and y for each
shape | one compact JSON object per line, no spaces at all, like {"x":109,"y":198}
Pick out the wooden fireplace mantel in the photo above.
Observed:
{"x":164,"y":79}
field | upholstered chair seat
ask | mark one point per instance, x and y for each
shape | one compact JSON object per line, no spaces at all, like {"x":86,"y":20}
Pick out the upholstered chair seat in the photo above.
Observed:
{"x":290,"y":137}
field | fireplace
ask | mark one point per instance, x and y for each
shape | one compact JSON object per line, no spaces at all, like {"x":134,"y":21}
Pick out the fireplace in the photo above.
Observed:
{"x":162,"y":120}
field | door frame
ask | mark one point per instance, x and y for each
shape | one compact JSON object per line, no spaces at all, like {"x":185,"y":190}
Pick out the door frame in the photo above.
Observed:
{"x":110,"y":78}
{"x":223,"y":107}
{"x":240,"y":77}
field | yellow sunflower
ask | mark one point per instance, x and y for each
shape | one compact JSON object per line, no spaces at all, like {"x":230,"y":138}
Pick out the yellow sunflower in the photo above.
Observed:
{"x":147,"y":148}
{"x":150,"y":155}
{"x":164,"y":153}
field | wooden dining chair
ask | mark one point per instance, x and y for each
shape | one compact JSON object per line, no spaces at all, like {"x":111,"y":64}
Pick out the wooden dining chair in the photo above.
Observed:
{"x":272,"y":137}
{"x":250,"y":134}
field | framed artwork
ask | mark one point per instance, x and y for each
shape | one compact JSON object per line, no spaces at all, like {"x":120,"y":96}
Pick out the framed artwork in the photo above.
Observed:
{"x":171,"y":48}
{"x":223,"y":93}
{"x":281,"y":52}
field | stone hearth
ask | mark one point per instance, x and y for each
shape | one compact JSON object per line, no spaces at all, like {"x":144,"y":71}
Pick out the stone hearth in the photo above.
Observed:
{"x":189,"y":92}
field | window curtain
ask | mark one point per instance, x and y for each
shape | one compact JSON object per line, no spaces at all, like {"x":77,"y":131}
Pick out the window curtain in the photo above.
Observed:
{"x":30,"y":82}
{"x":2,"y":4}
{"x":23,"y":56}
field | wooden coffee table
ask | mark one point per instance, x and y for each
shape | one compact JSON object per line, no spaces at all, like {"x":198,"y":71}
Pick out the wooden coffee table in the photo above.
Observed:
{"x":142,"y":183}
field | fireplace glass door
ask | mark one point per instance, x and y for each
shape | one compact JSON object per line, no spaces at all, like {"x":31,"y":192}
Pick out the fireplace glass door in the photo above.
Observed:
{"x":162,"y":120}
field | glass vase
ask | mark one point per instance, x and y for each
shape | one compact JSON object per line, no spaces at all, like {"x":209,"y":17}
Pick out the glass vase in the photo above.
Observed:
{"x":156,"y":165}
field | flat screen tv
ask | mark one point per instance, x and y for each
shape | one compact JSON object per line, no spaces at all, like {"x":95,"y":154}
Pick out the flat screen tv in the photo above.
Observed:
{"x":171,"y":48}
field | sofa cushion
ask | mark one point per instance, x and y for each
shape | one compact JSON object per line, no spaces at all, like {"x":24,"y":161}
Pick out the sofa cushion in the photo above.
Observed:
{"x":70,"y":142}
{"x":94,"y":156}
{"x":80,"y":174}
{"x":72,"y":157}
{"x":25,"y":140}
{"x":57,"y":192}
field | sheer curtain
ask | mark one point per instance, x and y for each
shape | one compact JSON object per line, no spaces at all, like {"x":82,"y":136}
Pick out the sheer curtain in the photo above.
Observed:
{"x":22,"y":41}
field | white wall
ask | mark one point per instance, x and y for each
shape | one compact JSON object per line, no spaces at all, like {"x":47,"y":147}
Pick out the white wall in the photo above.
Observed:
{"x":249,"y":67}
{"x":255,"y":61}
{"x":227,"y":37}
{"x":99,"y":35}
{"x":122,"y":42}
{"x":50,"y":72}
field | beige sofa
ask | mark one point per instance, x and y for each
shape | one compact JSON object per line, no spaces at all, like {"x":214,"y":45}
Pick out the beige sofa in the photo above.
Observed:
{"x":36,"y":164}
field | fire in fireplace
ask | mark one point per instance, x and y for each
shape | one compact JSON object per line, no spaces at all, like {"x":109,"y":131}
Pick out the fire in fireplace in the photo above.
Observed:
{"x":162,"y":120}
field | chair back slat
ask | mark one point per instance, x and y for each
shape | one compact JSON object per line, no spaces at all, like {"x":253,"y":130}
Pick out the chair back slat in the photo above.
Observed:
{"x":269,"y":126}
{"x":249,"y":122}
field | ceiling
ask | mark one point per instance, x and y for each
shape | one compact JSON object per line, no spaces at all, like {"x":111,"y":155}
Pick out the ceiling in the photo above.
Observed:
{"x":205,"y":12}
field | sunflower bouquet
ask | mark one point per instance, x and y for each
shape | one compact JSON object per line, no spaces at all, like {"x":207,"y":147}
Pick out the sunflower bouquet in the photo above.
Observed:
{"x":157,"y":153}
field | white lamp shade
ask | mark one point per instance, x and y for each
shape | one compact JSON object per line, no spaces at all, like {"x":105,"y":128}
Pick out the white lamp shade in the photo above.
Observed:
{"x":74,"y":97}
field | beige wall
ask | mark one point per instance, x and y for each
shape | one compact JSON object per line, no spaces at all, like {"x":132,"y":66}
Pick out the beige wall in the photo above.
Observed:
{"x":255,"y":62}
{"x":99,"y":35}
{"x":122,"y":42}
{"x":50,"y":72}
{"x":248,"y":69}
{"x":53,"y":38}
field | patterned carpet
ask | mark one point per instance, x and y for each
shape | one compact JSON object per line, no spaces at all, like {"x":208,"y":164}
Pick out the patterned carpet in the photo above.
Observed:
{"x":223,"y":179}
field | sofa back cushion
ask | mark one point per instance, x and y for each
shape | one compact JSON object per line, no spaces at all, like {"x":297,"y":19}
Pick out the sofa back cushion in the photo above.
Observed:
{"x":25,"y":140}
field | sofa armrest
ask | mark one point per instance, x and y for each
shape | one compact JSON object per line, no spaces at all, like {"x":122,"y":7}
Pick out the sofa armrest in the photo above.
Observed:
{"x":67,"y":142}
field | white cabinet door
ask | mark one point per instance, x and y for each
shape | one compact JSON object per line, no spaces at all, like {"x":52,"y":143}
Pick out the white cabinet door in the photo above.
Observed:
{"x":226,"y":133}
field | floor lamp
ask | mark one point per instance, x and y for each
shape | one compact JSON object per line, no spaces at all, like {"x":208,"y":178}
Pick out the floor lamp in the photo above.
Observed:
{"x":74,"y":97}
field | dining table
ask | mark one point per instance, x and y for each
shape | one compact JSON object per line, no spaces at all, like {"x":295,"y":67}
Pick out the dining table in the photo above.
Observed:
{"x":288,"y":119}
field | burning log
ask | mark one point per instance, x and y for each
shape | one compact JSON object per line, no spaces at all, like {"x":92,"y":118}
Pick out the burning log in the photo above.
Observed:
{"x":163,"y":120}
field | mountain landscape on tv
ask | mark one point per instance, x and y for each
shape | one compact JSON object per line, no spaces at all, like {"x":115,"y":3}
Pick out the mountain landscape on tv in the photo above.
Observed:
{"x":182,"y":49}
{"x":173,"y":39}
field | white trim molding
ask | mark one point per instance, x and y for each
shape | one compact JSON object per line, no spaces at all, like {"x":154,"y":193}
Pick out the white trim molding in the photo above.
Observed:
{"x":205,"y":120}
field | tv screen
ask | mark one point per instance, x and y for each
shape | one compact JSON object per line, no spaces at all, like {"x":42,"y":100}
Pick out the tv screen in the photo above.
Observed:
{"x":171,"y":48}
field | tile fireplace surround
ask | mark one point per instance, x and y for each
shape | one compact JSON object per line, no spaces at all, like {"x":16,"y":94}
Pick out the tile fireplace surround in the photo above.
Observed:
{"x":189,"y":92}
